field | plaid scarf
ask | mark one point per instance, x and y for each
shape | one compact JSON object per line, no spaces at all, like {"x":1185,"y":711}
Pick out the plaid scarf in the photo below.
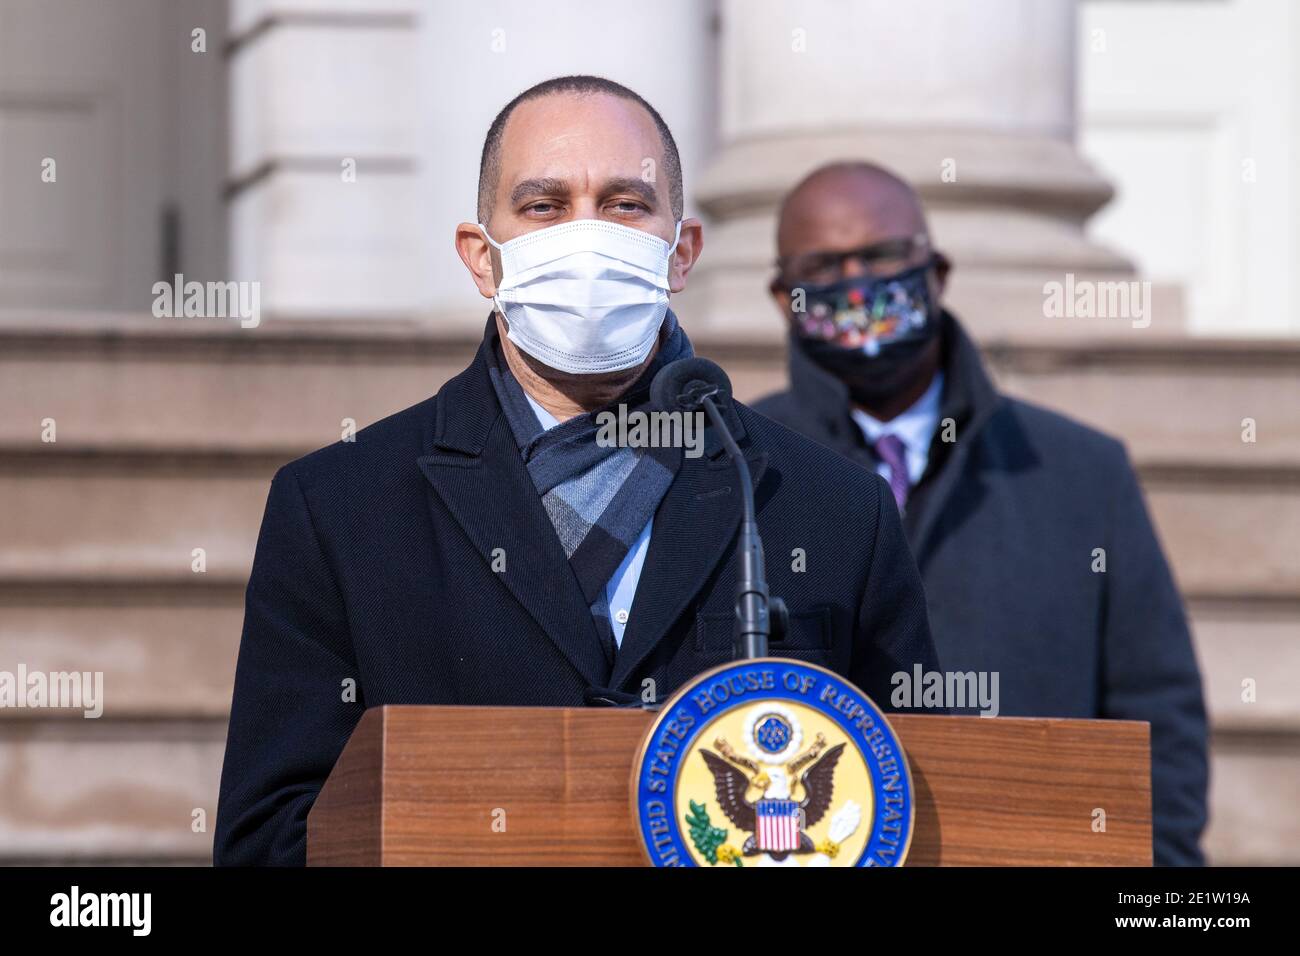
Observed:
{"x":599,"y":499}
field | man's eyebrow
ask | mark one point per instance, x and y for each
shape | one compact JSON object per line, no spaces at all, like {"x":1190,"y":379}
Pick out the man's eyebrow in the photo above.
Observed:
{"x":538,"y":187}
{"x":630,"y":184}
{"x":531,"y":188}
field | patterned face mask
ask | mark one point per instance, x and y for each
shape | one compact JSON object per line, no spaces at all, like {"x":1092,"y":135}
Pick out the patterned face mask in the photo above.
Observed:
{"x":869,"y":332}
{"x":867,"y":313}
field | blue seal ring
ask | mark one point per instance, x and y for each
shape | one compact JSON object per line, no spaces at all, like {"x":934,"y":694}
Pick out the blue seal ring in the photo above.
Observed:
{"x":745,"y":683}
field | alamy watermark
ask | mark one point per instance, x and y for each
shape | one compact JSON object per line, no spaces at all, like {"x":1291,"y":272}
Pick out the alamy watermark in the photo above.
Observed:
{"x":1088,"y":299}
{"x":209,"y":300}
{"x":949,"y":690}
{"x":133,"y":911}
{"x":656,"y":429}
{"x":61,"y":690}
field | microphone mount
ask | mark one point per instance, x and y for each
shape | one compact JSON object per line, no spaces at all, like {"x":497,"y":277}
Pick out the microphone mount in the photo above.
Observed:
{"x":760,"y":617}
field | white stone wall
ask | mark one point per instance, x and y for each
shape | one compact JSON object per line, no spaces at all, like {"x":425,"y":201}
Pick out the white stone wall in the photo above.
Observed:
{"x":1192,"y":110}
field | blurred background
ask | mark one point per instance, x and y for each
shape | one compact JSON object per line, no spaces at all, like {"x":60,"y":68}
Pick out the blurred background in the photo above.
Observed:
{"x":326,"y":149}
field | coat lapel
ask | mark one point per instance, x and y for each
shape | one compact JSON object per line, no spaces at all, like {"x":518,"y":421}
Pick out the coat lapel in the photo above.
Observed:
{"x":694,"y":530}
{"x":970,"y":400}
{"x":474,"y":467}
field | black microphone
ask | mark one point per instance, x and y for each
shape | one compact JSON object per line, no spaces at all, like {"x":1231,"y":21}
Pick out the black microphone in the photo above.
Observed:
{"x":688,"y":385}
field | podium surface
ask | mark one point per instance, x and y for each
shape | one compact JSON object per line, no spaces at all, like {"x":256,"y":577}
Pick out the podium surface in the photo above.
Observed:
{"x":549,"y":786}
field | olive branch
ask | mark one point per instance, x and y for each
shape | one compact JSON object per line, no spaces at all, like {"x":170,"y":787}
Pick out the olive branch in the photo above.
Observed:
{"x":706,"y":837}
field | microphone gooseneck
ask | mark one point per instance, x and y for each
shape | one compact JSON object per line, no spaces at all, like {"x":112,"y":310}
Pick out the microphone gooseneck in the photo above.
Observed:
{"x":689,"y":385}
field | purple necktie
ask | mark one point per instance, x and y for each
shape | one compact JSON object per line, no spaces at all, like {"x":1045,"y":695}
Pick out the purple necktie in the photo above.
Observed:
{"x":893,"y":453}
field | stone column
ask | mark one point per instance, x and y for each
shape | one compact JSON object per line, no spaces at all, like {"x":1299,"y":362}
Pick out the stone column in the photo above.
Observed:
{"x":971,"y":102}
{"x":323,"y":174}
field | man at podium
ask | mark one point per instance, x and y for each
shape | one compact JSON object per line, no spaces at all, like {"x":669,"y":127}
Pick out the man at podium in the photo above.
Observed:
{"x":502,"y":543}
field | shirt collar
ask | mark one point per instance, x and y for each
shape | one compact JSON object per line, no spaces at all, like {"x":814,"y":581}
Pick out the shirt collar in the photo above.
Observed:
{"x":914,"y":427}
{"x":547,"y":420}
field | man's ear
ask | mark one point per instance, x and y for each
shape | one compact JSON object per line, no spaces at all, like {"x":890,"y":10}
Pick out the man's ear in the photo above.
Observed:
{"x":477,"y":254}
{"x":942,"y":266}
{"x":690,"y":243}
{"x":781,"y":295}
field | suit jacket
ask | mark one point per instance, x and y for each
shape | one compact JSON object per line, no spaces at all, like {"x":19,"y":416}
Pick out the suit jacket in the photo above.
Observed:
{"x":1004,"y":524}
{"x":375,"y":565}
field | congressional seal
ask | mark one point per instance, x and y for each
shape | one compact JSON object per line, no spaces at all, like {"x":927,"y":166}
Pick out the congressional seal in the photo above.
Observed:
{"x":772,"y":762}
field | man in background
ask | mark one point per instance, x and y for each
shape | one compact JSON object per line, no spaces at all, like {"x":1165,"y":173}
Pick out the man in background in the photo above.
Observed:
{"x":1038,"y":557}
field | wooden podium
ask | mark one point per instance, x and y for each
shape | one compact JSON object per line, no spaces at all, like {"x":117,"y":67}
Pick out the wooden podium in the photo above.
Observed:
{"x":430,"y":786}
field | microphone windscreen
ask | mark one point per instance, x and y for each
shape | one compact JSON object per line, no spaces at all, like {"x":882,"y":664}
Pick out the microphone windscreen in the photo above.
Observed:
{"x":679,"y":385}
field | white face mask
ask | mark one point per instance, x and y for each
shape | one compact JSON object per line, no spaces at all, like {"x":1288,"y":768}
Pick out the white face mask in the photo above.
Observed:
{"x":585,"y":296}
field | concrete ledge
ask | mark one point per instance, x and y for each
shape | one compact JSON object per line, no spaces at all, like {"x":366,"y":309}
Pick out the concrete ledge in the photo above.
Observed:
{"x":106,"y":791}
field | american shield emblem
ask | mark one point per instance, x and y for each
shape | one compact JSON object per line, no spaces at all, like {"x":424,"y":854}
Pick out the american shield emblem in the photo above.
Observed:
{"x":772,"y":762}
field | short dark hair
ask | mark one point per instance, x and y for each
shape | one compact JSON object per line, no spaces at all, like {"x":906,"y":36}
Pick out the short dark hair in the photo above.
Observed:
{"x":489,"y":167}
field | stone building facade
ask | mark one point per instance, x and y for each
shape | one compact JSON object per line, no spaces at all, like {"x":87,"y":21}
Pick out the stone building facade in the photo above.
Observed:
{"x":325,"y":149}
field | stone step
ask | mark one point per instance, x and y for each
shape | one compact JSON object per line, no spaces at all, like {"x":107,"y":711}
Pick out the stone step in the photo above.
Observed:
{"x":126,"y":792}
{"x":285,"y":388}
{"x":1184,"y":406}
{"x":1249,"y":655}
{"x":182,"y":390}
{"x":110,"y":520}
{"x":168,"y":433}
{"x":164,"y":652}
{"x":171,"y":652}
{"x":1254,"y":792}
{"x":1228,"y":535}
{"x":1174,"y":406}
{"x":103,"y":791}
{"x":104,"y":518}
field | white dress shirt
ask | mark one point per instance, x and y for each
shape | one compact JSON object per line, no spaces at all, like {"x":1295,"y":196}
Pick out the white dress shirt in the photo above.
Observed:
{"x":914,"y":428}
